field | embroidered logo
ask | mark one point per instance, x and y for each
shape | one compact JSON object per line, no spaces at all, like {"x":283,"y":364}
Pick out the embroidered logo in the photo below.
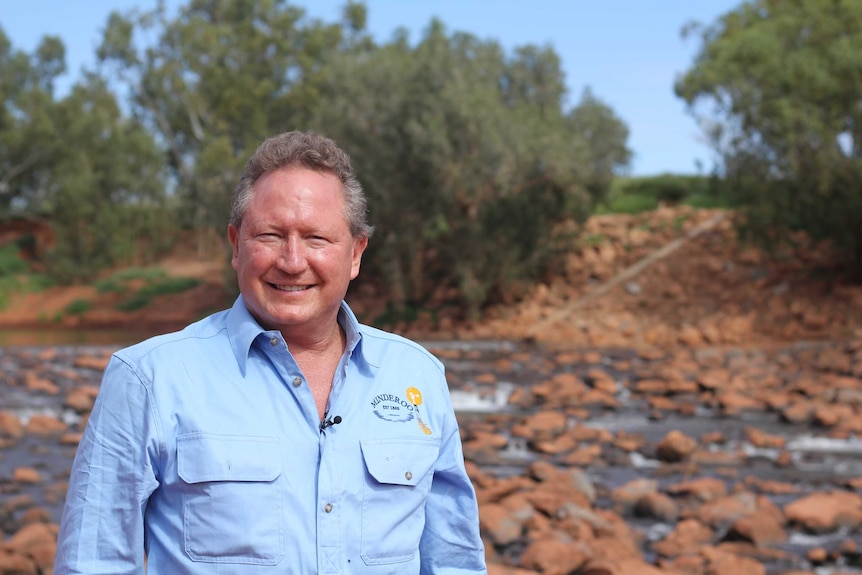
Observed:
{"x":415,"y":397}
{"x":390,"y":407}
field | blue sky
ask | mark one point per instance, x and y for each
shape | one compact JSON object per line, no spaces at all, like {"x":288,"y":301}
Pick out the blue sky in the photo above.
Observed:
{"x":628,"y":52}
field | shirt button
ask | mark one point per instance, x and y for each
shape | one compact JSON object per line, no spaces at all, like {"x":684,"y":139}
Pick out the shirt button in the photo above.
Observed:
{"x":327,"y":507}
{"x":297,"y":381}
{"x":273,"y":341}
{"x":408,"y":475}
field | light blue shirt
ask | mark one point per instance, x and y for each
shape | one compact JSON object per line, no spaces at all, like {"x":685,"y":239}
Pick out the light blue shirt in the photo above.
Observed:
{"x":204,"y":452}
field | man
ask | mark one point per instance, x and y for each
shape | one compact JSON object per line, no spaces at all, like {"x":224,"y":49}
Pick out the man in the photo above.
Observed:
{"x":279,"y":436}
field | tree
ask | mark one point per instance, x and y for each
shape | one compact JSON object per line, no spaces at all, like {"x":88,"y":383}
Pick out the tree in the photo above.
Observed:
{"x":220,"y":76}
{"x":78,"y":163}
{"x":785,"y":82}
{"x":28,"y":142}
{"x":469,"y":158}
{"x":105,"y":195}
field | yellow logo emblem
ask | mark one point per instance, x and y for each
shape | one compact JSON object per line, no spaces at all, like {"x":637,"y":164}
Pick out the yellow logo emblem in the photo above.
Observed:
{"x":415,"y":397}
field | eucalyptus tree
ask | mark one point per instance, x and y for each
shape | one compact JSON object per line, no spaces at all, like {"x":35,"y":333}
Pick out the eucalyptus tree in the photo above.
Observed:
{"x":77,"y":162}
{"x":29,"y":139}
{"x":779,"y":86}
{"x":470,"y":158}
{"x":105,"y":196}
{"x":215,"y":79}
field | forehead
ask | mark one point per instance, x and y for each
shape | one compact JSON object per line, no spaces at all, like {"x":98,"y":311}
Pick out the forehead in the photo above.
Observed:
{"x":298,"y":193}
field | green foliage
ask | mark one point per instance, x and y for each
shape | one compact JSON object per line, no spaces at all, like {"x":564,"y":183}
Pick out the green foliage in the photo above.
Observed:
{"x":215,"y":80}
{"x":10,"y":261}
{"x":636,"y":195}
{"x":169,"y":285}
{"x":135,"y":302}
{"x":110,"y":285}
{"x":145,"y":284}
{"x":78,"y":307}
{"x":155,"y":282}
{"x":784,"y":80}
{"x":145,"y":274}
{"x":471,"y":161}
{"x":627,"y":205}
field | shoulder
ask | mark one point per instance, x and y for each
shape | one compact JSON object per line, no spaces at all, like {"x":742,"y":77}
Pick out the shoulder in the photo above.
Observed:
{"x":205,"y":334}
{"x":380,"y":346}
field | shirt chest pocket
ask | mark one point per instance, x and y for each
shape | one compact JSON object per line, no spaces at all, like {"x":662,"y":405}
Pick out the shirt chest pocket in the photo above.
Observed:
{"x":232,"y":501}
{"x":397,"y":483}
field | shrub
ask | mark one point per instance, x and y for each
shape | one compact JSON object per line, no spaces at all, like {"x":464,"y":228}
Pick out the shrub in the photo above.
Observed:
{"x":78,"y":306}
{"x":10,"y":261}
{"x":135,"y":302}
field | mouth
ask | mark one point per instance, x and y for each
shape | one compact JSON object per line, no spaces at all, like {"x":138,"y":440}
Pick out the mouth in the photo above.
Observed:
{"x":289,"y":288}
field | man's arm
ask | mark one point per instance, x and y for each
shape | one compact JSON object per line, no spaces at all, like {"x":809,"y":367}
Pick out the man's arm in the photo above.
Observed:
{"x":102,"y":529}
{"x":451,"y":543}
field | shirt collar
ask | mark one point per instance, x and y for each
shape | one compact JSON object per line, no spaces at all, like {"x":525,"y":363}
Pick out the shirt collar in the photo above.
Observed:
{"x":243,"y":330}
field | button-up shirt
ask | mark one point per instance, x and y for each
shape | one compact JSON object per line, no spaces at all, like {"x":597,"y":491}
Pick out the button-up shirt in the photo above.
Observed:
{"x":204,"y":453}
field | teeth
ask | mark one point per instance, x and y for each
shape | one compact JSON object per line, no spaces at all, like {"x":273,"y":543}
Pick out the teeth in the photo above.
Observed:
{"x":291,"y":288}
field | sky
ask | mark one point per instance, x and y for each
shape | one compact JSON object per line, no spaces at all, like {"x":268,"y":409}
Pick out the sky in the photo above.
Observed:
{"x":628,"y":52}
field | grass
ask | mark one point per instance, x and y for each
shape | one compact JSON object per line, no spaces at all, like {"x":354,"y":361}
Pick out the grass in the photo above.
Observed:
{"x":156,"y":282}
{"x":14,"y":277}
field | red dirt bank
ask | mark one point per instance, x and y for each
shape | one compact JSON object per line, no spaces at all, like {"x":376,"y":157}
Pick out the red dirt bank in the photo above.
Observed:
{"x":711,"y":291}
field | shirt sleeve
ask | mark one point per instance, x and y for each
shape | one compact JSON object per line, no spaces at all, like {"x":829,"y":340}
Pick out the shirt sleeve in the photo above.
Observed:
{"x":451,"y":543}
{"x":112,"y":477}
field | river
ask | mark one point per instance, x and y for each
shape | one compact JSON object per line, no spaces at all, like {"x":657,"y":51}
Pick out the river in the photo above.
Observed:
{"x":483,"y":375}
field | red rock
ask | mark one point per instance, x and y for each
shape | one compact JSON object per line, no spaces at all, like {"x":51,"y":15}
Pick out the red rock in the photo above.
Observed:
{"x":658,"y":506}
{"x":722,"y":563}
{"x":555,"y":555}
{"x":26,"y":475}
{"x":31,"y":536}
{"x":825,"y":511}
{"x":33,"y":382}
{"x":497,"y":569}
{"x":733,"y":402}
{"x":703,"y":489}
{"x":676,"y":446}
{"x":762,"y":439}
{"x":17,"y":564}
{"x":723,"y":511}
{"x":45,"y":425}
{"x":687,"y":537}
{"x":625,"y":566}
{"x":81,"y":398}
{"x":499,"y":525}
{"x":98,"y":363}
{"x":582,"y":457}
{"x":713,"y":379}
{"x":627,"y":495}
{"x":10,"y":425}
{"x":761,"y":529}
{"x":543,"y":425}
{"x":484,"y":441}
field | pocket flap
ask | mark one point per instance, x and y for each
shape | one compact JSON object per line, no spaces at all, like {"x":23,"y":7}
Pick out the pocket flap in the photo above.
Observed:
{"x":210,"y":457}
{"x":399,"y":461}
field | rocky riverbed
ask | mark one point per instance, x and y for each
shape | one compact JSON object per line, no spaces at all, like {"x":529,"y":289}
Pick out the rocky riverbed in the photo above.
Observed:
{"x":587,"y":460}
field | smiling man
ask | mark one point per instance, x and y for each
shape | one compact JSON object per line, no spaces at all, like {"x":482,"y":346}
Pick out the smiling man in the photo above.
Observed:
{"x":281,"y":435}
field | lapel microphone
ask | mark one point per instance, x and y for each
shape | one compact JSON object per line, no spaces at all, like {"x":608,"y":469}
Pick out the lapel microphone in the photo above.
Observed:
{"x":329,"y":421}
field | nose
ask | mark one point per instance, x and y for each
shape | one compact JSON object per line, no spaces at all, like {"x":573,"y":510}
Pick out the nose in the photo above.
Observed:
{"x":292,"y":258}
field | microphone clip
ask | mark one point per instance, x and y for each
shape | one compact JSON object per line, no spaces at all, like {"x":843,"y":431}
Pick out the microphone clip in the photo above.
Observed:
{"x":329,"y":421}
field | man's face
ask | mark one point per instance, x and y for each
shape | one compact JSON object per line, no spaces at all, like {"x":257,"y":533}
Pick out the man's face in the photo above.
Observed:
{"x":294,"y":254}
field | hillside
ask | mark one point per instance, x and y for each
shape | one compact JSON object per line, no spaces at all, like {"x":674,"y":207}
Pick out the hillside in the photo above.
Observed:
{"x":673,"y":276}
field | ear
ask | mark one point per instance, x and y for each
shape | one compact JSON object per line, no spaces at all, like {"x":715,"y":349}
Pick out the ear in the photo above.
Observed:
{"x":233,"y":237}
{"x":359,"y":245}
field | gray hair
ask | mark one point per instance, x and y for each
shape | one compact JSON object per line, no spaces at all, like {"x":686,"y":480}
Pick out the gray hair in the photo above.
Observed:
{"x":311,"y":151}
